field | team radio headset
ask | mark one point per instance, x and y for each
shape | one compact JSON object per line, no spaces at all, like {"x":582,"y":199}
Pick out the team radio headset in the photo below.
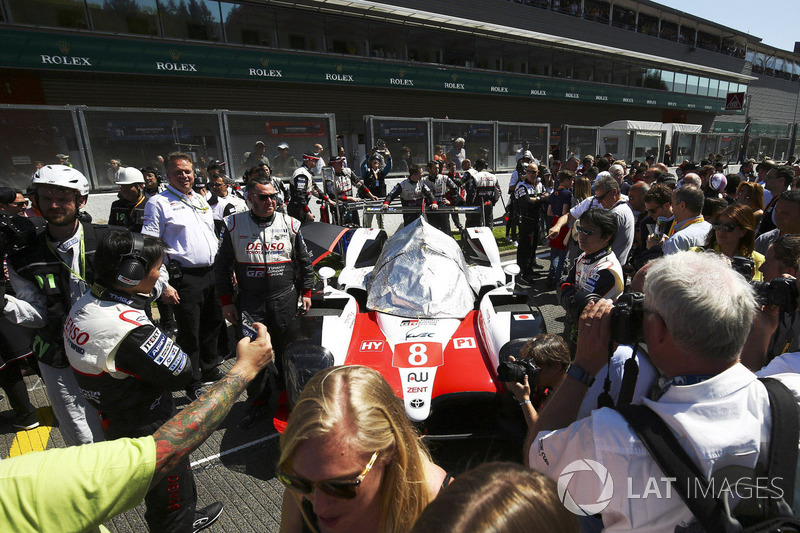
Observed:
{"x":132,"y":267}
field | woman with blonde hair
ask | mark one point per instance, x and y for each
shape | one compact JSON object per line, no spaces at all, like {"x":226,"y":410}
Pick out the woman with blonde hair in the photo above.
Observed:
{"x":351,"y":460}
{"x":498,"y":498}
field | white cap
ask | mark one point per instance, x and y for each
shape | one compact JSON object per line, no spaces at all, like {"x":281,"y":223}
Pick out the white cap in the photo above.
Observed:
{"x":129,"y":176}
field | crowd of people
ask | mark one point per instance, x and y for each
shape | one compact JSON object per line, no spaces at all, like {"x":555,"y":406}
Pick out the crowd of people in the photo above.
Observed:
{"x":679,"y":292}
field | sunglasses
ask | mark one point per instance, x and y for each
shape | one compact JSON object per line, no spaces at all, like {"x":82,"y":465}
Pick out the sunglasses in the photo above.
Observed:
{"x":586,"y":231}
{"x":20,"y":204}
{"x":653,"y":211}
{"x":727,"y":228}
{"x":344,"y":490}
{"x":265,"y":197}
{"x":215,"y":185}
{"x":600,"y":198}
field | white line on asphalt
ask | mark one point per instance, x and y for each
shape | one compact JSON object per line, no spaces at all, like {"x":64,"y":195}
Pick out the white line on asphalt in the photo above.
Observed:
{"x":232,"y":450}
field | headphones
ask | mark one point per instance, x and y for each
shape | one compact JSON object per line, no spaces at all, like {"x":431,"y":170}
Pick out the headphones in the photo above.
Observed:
{"x":132,"y":267}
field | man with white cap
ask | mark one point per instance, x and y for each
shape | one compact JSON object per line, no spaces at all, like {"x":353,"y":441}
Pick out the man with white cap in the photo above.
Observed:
{"x":128,"y":211}
{"x":284,"y":164}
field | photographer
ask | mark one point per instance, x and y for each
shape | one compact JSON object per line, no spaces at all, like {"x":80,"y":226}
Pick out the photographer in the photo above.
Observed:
{"x":776,"y":329}
{"x":716,"y":406}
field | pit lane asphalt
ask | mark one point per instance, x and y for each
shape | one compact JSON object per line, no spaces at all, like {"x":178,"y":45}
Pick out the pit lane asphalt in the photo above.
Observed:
{"x":236,"y":466}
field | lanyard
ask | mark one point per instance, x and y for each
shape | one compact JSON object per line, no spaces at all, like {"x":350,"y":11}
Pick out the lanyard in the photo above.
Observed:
{"x":141,"y":199}
{"x":83,"y":258}
{"x":202,"y":209}
{"x":685,"y":224}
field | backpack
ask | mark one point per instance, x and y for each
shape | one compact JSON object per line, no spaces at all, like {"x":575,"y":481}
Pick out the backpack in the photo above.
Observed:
{"x":712,"y":514}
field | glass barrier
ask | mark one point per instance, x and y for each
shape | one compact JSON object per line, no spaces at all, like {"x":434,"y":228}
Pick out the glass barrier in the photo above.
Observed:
{"x":299,"y":132}
{"x":137,"y":137}
{"x":729,"y":147}
{"x":615,"y":142}
{"x":647,"y":143}
{"x":405,"y":138}
{"x":766,"y":149}
{"x":580,"y":142}
{"x":706,"y":145}
{"x":683,"y":147}
{"x":478,"y":139}
{"x":513,"y":137}
{"x":34,"y":136}
{"x":782,"y":149}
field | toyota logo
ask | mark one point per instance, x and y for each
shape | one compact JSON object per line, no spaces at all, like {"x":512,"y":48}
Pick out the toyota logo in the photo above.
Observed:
{"x":416,"y":403}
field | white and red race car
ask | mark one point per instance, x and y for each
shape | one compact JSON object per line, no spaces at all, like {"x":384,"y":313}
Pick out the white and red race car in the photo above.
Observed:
{"x":434,"y":322}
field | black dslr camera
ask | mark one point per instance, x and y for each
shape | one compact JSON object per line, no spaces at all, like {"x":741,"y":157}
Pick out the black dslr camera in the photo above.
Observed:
{"x":15,"y":232}
{"x":517,"y":370}
{"x":627,"y":317}
{"x":780,"y":291}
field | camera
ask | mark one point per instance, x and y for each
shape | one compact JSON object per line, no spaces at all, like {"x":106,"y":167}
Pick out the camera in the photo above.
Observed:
{"x":517,"y":370}
{"x":744,"y":266}
{"x":16,"y":232}
{"x":627,"y":317}
{"x":780,"y":291}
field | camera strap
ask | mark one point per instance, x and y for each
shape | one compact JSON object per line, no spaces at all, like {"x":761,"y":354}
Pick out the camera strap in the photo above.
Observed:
{"x":630,"y":375}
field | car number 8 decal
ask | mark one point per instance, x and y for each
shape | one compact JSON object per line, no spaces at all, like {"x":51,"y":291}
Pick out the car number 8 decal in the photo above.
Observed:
{"x":417,"y":354}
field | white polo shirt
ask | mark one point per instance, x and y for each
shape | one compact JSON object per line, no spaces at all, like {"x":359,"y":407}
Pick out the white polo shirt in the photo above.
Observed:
{"x":185,"y":223}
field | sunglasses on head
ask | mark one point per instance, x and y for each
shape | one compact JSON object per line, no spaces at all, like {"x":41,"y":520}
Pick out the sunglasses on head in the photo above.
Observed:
{"x":344,"y":490}
{"x":728,"y":228}
{"x":586,"y":231}
{"x":265,"y":197}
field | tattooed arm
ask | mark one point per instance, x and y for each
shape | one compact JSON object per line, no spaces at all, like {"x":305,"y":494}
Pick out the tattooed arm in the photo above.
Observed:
{"x":188,"y":429}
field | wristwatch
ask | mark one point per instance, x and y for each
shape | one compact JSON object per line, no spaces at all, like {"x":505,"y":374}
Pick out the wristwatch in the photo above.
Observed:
{"x":576,"y":372}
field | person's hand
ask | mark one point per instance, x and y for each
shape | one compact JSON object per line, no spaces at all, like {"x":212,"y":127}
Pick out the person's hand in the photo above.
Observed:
{"x":385,"y":207}
{"x":553,"y":232}
{"x":253,"y":355}
{"x":372,"y":196}
{"x":306,"y":305}
{"x":170,"y":295}
{"x":309,"y":217}
{"x":652,"y":240}
{"x":445,"y":201}
{"x":521,"y":391}
{"x":434,"y":206}
{"x":765,"y":321}
{"x":230,"y":313}
{"x":594,"y":333}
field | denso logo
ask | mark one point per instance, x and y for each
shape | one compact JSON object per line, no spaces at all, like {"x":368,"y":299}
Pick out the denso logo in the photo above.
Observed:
{"x":371,"y":346}
{"x":265,"y":247}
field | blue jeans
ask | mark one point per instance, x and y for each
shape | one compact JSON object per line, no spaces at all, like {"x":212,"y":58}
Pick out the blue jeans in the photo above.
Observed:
{"x":557,"y":259}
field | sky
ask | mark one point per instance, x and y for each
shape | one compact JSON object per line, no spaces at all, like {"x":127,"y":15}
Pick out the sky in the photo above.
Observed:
{"x":776,"y":22}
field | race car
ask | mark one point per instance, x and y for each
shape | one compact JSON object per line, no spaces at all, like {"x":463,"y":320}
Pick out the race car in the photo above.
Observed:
{"x":434,"y":321}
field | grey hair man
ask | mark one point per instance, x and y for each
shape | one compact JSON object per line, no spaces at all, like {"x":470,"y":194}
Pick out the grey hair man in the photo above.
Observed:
{"x":716,"y":405}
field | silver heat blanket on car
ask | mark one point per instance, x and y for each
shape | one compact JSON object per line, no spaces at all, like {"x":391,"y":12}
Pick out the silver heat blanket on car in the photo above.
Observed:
{"x":421,"y":273}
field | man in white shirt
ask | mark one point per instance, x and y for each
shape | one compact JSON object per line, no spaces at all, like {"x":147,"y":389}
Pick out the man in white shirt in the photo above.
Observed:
{"x":185,"y":221}
{"x":715,"y":406}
